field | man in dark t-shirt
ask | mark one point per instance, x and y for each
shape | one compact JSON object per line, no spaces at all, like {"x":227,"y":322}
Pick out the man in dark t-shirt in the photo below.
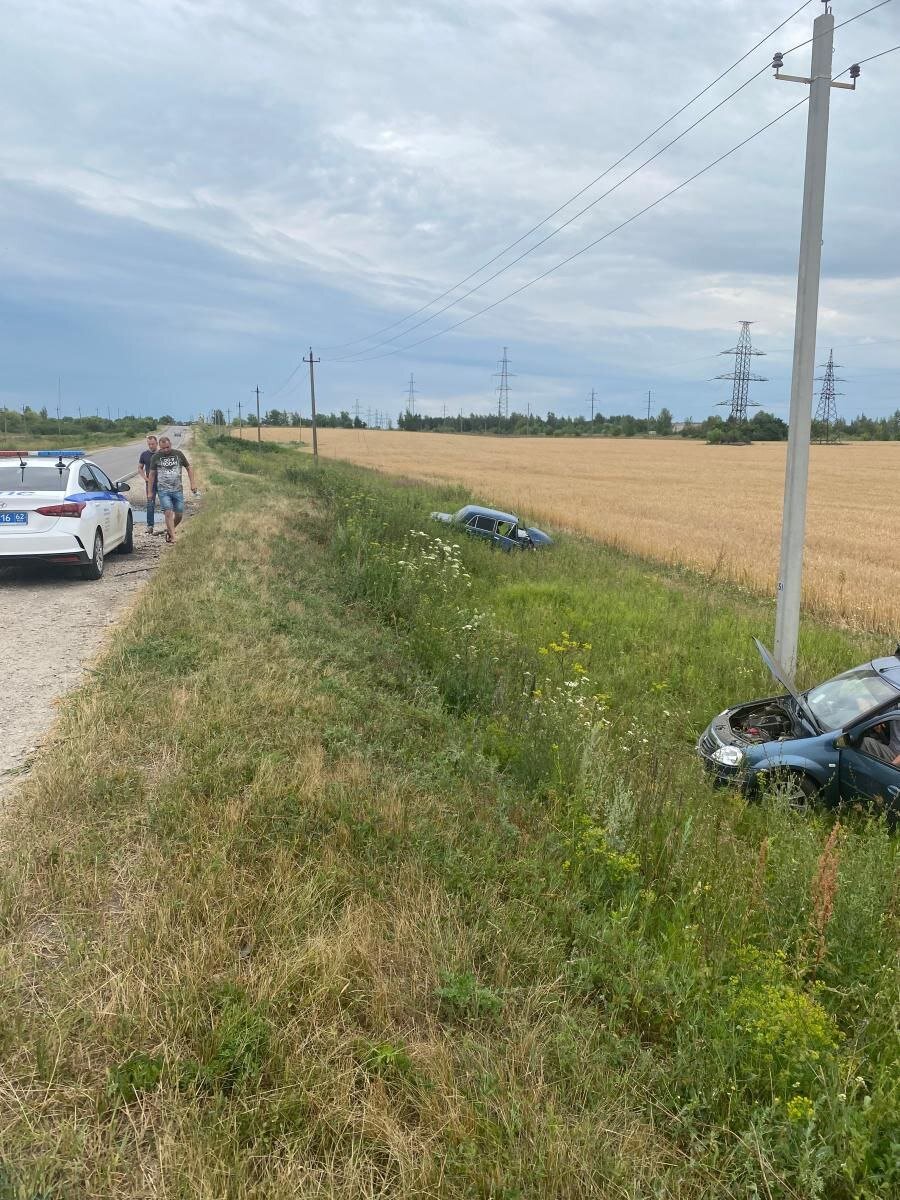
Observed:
{"x":166,"y":466}
{"x":144,"y":472}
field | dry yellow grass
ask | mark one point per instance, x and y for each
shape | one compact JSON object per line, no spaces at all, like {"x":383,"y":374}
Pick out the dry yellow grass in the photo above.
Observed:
{"x":713,"y":508}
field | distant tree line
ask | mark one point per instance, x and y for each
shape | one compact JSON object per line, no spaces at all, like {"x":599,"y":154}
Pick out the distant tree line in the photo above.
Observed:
{"x":762,"y":427}
{"x":38,"y":422}
{"x":284,"y":419}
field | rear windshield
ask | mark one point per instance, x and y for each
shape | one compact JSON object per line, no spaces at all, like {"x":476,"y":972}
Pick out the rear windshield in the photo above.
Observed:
{"x":38,"y":475}
{"x":839,"y":701}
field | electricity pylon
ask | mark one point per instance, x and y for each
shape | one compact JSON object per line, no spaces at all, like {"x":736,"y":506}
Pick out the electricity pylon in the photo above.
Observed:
{"x":503,"y":386}
{"x":826,"y":413}
{"x":742,"y":376}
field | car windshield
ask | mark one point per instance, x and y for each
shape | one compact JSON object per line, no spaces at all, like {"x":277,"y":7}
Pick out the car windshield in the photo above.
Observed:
{"x":38,"y":475}
{"x":837,"y":702}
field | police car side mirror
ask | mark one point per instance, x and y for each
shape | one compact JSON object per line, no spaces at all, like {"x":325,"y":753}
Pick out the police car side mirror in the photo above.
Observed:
{"x":123,"y":487}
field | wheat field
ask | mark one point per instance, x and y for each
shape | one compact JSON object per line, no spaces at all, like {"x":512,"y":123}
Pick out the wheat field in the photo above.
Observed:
{"x":716,"y":509}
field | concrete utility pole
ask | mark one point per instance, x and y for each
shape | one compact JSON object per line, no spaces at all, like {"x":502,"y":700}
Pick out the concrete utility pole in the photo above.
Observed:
{"x":592,"y":402}
{"x":793,"y":527}
{"x":258,"y":424}
{"x":649,"y":394}
{"x":312,"y":400}
{"x":240,"y":421}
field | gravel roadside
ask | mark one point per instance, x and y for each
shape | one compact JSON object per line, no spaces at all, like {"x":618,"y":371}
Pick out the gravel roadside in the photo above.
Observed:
{"x":52,"y":627}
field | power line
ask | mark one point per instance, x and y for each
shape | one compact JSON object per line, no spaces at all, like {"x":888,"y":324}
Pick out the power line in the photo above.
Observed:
{"x":559,"y":228}
{"x":596,"y":242}
{"x":641,"y":212}
{"x":361,"y":355}
{"x":281,"y":387}
{"x":577,"y":195}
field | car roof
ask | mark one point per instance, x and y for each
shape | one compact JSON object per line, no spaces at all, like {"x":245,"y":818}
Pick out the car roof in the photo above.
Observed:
{"x":481,"y":511}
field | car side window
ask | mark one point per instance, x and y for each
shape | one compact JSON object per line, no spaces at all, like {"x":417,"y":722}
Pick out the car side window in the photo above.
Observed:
{"x":485,"y":524}
{"x":881,"y":741}
{"x":505,"y":529}
{"x":105,"y":482}
{"x":470,"y":520}
{"x":87,"y":481}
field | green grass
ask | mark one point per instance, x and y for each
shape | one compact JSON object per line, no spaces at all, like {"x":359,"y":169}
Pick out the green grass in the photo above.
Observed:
{"x":417,"y":890}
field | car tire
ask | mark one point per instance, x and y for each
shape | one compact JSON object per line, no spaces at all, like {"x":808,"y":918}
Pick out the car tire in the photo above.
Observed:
{"x":127,"y":546}
{"x":94,"y":569}
{"x":797,"y":789}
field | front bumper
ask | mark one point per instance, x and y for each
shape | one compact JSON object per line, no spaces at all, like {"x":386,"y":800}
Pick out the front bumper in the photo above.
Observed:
{"x":721,"y":775}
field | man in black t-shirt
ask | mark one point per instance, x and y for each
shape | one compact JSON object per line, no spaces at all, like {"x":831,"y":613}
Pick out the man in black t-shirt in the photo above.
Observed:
{"x":144,"y":472}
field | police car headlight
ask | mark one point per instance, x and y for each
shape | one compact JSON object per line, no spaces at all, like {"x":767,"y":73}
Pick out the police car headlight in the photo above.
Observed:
{"x":728,"y":756}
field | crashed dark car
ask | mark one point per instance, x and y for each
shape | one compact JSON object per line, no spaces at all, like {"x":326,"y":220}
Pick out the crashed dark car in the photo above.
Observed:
{"x":501,"y":529}
{"x":839,"y":741}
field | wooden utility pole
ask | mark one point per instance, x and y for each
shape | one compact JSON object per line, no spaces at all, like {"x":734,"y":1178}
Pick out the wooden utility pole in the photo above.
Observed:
{"x":312,"y":400}
{"x":240,"y":421}
{"x":258,"y":425}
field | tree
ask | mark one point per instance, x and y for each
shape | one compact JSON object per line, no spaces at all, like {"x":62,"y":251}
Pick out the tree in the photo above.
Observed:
{"x":664,"y":422}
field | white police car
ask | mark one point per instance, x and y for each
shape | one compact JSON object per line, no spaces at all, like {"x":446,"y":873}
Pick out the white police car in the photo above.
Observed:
{"x":57,"y":506}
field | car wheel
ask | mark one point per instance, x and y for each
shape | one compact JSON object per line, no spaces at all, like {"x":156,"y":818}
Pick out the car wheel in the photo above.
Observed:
{"x":796,"y":789}
{"x":127,"y":545}
{"x":94,"y":569}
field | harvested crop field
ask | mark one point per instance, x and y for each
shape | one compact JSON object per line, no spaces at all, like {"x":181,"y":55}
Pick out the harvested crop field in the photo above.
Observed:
{"x":716,"y":509}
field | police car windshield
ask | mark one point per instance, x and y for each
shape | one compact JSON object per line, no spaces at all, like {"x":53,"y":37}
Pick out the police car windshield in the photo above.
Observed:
{"x":38,"y":475}
{"x":837,"y":702}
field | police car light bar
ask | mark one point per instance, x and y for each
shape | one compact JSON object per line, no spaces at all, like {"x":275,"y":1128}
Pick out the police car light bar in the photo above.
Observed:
{"x":42,"y":454}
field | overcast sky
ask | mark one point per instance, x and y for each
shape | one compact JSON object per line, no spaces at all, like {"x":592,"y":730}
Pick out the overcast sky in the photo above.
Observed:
{"x":194,"y":191}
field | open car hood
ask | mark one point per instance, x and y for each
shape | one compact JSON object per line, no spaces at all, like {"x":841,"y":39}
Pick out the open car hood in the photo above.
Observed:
{"x":781,"y":676}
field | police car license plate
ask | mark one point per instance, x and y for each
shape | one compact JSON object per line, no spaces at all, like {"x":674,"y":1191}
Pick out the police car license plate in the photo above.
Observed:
{"x":13,"y":518}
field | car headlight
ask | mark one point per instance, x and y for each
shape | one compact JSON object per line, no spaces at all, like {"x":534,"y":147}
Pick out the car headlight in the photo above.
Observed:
{"x":728,"y":756}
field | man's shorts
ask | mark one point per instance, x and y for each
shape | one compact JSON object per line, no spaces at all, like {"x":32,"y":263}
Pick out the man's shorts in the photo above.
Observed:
{"x":171,"y":501}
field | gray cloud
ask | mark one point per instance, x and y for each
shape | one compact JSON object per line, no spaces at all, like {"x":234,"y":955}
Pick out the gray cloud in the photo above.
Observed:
{"x":221,"y":182}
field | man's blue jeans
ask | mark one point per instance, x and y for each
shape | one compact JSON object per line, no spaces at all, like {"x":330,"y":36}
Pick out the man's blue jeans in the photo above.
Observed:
{"x":151,"y":509}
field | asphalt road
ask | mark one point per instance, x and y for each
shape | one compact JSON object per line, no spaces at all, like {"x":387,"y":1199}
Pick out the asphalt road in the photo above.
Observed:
{"x":121,"y":462}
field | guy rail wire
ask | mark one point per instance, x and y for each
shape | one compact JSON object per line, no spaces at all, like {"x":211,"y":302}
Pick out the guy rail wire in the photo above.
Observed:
{"x":565,"y":204}
{"x":363,"y":354}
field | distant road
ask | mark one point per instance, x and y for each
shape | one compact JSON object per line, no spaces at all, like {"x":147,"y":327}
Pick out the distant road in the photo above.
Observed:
{"x":121,"y":462}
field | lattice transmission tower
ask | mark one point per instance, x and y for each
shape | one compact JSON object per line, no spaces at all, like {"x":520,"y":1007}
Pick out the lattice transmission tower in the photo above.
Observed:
{"x":411,"y":395}
{"x":742,"y":376}
{"x":826,"y":412}
{"x":503,"y":386}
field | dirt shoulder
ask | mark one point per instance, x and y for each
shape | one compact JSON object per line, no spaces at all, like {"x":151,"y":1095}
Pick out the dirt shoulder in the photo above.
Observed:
{"x":53,"y":627}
